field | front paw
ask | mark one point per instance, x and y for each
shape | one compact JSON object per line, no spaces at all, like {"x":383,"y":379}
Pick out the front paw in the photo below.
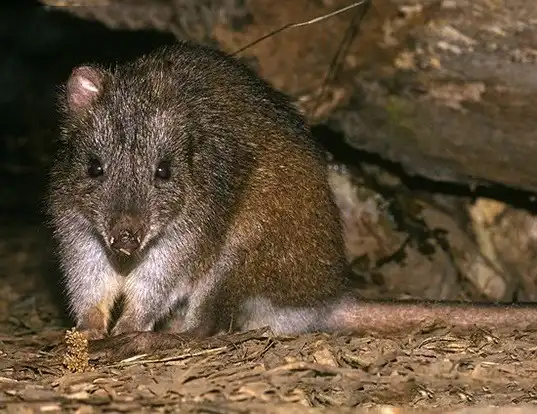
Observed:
{"x":94,"y":323}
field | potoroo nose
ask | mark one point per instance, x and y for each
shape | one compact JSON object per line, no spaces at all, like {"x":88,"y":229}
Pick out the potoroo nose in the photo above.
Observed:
{"x":126,"y":234}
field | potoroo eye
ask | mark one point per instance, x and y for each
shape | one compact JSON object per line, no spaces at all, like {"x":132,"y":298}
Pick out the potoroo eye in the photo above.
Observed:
{"x":95,"y":168}
{"x":163,"y":171}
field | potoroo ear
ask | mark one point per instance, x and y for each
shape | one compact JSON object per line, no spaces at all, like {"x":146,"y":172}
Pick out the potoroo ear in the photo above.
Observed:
{"x":84,"y":86}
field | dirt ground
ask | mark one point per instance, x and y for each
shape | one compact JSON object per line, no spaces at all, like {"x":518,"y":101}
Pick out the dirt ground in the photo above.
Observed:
{"x":406,"y":238}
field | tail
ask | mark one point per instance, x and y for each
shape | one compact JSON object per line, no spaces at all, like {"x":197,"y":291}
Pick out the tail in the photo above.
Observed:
{"x":397,"y":317}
